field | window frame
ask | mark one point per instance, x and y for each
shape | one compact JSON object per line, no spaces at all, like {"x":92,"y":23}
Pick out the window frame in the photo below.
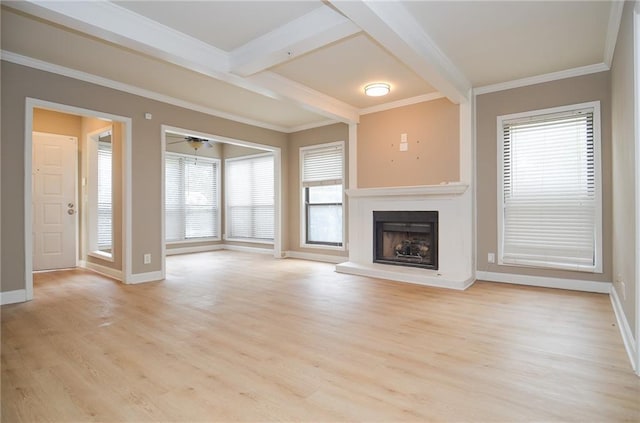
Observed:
{"x":598,"y":239}
{"x":227,"y":220}
{"x":93,"y":249}
{"x":215,"y":160}
{"x":304,"y":243}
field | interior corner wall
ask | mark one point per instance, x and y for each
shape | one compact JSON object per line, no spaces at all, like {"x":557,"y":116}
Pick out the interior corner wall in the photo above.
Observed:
{"x":534,"y":97}
{"x":19,"y":82}
{"x":315,"y":136}
{"x":433,"y":141}
{"x":623,"y":166}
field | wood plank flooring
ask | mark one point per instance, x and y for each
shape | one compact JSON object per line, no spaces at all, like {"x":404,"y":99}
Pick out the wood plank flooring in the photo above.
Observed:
{"x":232,"y":336}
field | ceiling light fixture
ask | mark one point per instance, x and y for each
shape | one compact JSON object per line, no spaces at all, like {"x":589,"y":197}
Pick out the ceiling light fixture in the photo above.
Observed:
{"x":377,"y":89}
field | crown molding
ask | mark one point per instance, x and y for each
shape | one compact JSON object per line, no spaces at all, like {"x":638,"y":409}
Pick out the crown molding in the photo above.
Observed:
{"x":131,"y":89}
{"x":119,"y":25}
{"x":401,"y":103}
{"x":539,"y":79}
{"x":615,"y":17}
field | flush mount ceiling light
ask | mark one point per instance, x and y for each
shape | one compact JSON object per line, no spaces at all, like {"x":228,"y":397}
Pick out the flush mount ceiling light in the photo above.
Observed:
{"x":377,"y":89}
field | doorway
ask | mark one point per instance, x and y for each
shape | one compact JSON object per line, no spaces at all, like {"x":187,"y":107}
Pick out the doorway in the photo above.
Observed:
{"x":47,"y":246}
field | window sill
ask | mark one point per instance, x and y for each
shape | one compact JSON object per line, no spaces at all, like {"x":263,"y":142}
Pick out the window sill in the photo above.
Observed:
{"x":323,"y":247}
{"x":193,"y":241}
{"x":250,"y":240}
{"x":101,"y":255}
{"x":549,"y":265}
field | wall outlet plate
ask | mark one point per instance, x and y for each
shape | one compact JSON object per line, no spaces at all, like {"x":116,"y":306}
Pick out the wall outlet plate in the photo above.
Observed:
{"x":491,"y":258}
{"x":147,"y":259}
{"x":404,"y":146}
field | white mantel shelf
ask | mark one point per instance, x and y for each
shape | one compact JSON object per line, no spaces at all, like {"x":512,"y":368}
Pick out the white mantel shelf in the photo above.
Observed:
{"x":446,"y":189}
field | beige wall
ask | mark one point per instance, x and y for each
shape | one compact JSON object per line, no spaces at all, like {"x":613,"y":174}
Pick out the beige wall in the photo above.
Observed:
{"x":53,"y":122}
{"x":558,"y":93}
{"x":19,"y":82}
{"x":433,"y":133}
{"x":323,"y":135}
{"x":624,"y":205}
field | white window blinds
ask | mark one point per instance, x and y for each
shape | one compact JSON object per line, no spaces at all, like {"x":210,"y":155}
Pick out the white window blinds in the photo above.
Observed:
{"x":104,"y":197}
{"x":249,"y":188}
{"x":550,"y":199}
{"x":191,"y":197}
{"x":322,"y":165}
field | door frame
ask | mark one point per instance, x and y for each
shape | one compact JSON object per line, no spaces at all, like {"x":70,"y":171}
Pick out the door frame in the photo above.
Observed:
{"x":32,"y":103}
{"x":75,"y":196}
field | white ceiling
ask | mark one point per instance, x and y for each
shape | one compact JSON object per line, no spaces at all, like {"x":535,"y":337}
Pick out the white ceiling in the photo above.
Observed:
{"x":289,"y":65}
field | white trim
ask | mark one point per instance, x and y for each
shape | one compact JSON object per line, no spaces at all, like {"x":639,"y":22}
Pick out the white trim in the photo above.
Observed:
{"x":539,"y":79}
{"x":104,"y":270}
{"x":194,"y":249}
{"x":445,"y":189}
{"x":623,"y":326}
{"x":560,"y":283}
{"x":246,"y":249}
{"x":401,"y":103}
{"x":137,"y":278}
{"x":404,"y":274}
{"x":598,"y":242}
{"x":102,"y":255}
{"x":249,"y":240}
{"x":12,"y":297}
{"x":30,"y":104}
{"x":325,"y":258}
{"x":131,"y":89}
{"x":615,"y":17}
{"x":194,"y":241}
{"x":636,"y":119}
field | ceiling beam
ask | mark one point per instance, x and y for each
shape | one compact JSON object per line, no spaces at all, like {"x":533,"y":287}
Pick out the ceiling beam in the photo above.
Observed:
{"x":110,"y":22}
{"x":391,"y":25}
{"x":309,"y":32}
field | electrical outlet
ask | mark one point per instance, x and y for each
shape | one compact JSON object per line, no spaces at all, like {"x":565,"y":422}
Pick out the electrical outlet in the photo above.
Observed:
{"x":491,"y":258}
{"x":147,"y":259}
{"x":403,"y":137}
{"x":404,"y":146}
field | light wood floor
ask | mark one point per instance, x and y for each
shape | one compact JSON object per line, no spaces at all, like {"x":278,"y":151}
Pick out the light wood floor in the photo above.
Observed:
{"x":233,"y":336}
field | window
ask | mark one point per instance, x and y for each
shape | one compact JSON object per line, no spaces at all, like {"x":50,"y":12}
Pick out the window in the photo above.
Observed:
{"x":249,"y":186}
{"x":105,"y":230}
{"x":321,"y":180}
{"x":99,"y":193}
{"x":191,"y":198}
{"x":550,"y":199}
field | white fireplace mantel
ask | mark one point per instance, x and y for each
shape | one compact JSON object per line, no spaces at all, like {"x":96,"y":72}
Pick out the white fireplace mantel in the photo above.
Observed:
{"x":444,"y":189}
{"x":452,"y":201}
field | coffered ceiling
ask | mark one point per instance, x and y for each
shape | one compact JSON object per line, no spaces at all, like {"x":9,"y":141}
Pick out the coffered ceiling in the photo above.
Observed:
{"x":289,"y":65}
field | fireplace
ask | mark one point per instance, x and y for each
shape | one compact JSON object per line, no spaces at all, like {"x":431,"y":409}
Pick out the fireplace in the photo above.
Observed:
{"x":406,"y":238}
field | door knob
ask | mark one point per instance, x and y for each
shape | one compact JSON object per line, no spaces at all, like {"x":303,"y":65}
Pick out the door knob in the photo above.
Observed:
{"x":71,"y":211}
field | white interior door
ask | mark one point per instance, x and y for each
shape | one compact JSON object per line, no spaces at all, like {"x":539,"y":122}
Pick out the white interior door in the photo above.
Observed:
{"x":54,"y":201}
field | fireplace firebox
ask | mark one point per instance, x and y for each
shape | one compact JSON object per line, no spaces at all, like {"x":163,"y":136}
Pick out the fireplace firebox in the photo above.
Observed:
{"x":406,"y":238}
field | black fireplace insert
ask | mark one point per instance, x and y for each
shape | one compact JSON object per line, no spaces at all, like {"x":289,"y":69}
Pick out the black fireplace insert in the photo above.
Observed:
{"x":406,"y":238}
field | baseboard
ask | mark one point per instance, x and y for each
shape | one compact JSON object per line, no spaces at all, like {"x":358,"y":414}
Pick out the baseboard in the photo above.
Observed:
{"x":246,"y":249}
{"x":193,"y":249}
{"x":625,"y":329}
{"x":560,"y":283}
{"x":144,"y":277}
{"x":103,"y":270}
{"x":326,"y":258}
{"x":12,"y":297}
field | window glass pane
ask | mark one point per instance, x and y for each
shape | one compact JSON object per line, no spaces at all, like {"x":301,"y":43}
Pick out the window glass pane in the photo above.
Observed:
{"x":325,"y":194}
{"x":191,"y":198}
{"x":325,"y":224}
{"x":105,"y":232}
{"x":250,"y":197}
